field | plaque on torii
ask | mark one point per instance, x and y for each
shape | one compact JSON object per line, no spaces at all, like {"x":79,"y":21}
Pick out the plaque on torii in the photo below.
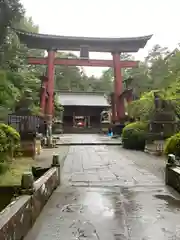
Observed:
{"x":84,"y":52}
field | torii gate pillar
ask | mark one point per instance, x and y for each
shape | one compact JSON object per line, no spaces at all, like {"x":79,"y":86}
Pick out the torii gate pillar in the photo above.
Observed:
{"x":44,"y":82}
{"x":118,"y":88}
{"x":50,"y":85}
{"x":50,"y":91}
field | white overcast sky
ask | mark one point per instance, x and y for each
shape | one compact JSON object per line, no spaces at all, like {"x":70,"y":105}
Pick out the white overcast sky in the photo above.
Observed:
{"x":109,"y":18}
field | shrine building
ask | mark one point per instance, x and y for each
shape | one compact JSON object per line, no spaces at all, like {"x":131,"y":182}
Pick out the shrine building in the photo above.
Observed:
{"x":82,"y":110}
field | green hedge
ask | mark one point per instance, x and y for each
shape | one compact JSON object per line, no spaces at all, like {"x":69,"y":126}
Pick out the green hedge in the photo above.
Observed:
{"x":173,"y":145}
{"x":134,"y":135}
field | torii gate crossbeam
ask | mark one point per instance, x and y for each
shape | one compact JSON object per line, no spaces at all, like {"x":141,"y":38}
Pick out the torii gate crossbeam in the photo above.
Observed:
{"x":82,"y":62}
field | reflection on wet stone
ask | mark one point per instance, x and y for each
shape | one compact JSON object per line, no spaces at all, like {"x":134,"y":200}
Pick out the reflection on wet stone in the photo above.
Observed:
{"x":67,"y":208}
{"x":84,"y":230}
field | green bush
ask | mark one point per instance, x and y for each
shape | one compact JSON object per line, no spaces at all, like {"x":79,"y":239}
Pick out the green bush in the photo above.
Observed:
{"x":10,"y":132}
{"x":13,"y":137}
{"x":134,"y":135}
{"x":9,"y":140}
{"x":173,"y":145}
{"x":3,"y":141}
{"x":3,"y":152}
{"x":3,"y":167}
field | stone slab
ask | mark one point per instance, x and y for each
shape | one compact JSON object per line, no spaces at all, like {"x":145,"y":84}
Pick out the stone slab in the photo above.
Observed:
{"x":121,"y":195}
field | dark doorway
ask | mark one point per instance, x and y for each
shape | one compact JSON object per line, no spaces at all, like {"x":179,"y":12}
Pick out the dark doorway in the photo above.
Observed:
{"x":95,"y":121}
{"x":68,"y":121}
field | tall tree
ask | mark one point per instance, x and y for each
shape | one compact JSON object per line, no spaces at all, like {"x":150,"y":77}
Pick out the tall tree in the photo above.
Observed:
{"x":11,"y":11}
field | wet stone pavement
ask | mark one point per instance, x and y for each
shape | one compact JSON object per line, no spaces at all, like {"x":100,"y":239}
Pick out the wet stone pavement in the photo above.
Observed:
{"x":87,"y":139}
{"x":109,"y":193}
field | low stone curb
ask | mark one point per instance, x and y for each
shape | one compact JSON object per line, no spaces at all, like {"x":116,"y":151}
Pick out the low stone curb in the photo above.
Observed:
{"x":19,"y":216}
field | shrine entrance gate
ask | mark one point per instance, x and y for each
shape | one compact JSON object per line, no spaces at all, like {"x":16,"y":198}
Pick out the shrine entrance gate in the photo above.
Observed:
{"x":52,"y":43}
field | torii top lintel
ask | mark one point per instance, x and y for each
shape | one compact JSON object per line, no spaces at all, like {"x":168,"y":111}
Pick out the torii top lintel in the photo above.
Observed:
{"x":44,"y":41}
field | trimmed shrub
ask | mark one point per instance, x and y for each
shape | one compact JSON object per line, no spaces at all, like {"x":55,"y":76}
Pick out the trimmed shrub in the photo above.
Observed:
{"x":134,"y":135}
{"x":172,"y":145}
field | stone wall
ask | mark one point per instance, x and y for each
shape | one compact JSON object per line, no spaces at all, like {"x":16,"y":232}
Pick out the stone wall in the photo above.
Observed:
{"x":172,"y":176}
{"x":19,"y":216}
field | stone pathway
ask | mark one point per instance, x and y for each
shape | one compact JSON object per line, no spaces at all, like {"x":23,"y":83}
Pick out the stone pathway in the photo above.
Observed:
{"x":110,"y":193}
{"x":87,"y":139}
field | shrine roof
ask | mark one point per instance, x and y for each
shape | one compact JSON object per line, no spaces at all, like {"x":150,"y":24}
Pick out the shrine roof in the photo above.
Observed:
{"x":45,"y":41}
{"x":83,"y":99}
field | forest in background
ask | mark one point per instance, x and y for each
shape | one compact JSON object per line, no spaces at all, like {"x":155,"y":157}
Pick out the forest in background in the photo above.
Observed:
{"x":159,"y":70}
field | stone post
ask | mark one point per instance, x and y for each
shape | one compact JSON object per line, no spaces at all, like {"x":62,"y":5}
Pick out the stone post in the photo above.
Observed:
{"x":171,"y":160}
{"x":27,"y":183}
{"x":56,"y":163}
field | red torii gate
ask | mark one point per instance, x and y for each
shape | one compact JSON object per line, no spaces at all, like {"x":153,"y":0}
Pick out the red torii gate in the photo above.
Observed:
{"x":85,"y":45}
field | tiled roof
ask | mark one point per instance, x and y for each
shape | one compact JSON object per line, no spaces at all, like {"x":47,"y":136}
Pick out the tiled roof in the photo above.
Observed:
{"x":45,"y":41}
